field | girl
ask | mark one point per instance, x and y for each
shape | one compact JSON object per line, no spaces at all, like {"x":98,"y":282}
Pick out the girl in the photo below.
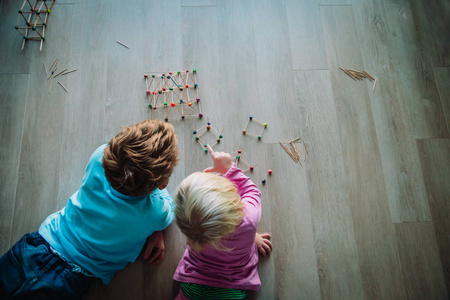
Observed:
{"x":219,"y":216}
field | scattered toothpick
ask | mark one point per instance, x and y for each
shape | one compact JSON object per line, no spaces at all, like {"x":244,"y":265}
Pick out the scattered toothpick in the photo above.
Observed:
{"x":45,"y":69}
{"x":123,"y":44}
{"x":63,"y":86}
{"x":294,"y":153}
{"x":69,"y":72}
{"x":60,"y":73}
{"x":359,"y":75}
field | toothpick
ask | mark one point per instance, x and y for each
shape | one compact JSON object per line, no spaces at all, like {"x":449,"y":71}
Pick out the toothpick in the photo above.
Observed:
{"x":59,"y":73}
{"x":63,"y":86}
{"x":123,"y":44}
{"x":374,"y":84}
{"x":45,"y":69}
{"x":69,"y":72}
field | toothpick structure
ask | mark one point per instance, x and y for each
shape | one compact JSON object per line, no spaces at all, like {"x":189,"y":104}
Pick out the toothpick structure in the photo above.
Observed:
{"x":201,"y":132}
{"x":32,"y":22}
{"x":240,"y":161}
{"x":173,"y":96}
{"x":257,"y":136}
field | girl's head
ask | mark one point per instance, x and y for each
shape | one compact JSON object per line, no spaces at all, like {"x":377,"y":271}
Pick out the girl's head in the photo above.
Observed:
{"x":208,"y":208}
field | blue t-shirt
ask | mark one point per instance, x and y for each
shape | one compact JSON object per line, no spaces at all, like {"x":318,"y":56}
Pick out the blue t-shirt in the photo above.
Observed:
{"x":102,"y":230}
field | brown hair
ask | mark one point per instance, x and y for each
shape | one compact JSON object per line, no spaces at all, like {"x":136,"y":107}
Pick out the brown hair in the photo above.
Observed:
{"x":141,"y":157}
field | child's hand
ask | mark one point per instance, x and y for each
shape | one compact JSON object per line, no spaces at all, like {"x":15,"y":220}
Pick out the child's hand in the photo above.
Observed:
{"x":221,"y":161}
{"x":263,"y":244}
{"x":154,"y":252}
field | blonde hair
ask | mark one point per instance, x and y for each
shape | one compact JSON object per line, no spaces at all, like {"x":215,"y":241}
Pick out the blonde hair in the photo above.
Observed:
{"x":141,"y":157}
{"x":208,"y":208}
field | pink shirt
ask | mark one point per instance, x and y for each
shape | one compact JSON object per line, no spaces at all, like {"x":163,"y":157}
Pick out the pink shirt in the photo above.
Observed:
{"x":235,"y":269}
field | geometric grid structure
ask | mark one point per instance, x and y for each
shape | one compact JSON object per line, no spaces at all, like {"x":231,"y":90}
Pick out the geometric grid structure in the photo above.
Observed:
{"x":258,"y":136}
{"x":173,"y":95}
{"x":205,"y":130}
{"x":34,"y":20}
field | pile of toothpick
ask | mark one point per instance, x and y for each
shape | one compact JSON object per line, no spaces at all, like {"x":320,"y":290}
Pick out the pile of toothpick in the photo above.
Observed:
{"x":52,"y":71}
{"x":294,"y":153}
{"x":359,"y":75}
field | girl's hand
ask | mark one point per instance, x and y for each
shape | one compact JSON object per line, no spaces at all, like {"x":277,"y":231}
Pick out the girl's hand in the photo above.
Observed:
{"x":263,"y":244}
{"x":221,"y":161}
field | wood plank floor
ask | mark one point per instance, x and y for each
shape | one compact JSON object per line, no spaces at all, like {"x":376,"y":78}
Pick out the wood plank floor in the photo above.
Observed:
{"x":366,"y":214}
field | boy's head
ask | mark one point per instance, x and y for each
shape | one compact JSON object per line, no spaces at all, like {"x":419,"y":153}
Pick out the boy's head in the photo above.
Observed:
{"x":141,"y":158}
{"x":208,"y":208}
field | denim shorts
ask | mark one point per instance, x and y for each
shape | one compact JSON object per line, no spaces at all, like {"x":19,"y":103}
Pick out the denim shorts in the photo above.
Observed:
{"x":31,"y":270}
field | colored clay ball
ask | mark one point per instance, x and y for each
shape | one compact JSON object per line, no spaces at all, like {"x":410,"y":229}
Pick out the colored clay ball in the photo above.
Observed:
{"x":251,"y":169}
{"x":270,"y":172}
{"x":187,"y":71}
{"x":196,"y":138}
{"x":168,"y":77}
{"x":167,"y":120}
{"x":48,"y":10}
{"x":265,"y":125}
{"x":198,"y":99}
{"x":194,"y":70}
{"x":16,"y":27}
{"x":178,"y":72}
{"x":239,"y":151}
{"x":170,"y":89}
{"x":187,"y":85}
{"x":181,"y":100}
{"x":195,"y":85}
{"x":251,"y":118}
{"x":165,"y":103}
{"x":206,"y":150}
{"x":173,"y":104}
{"x":43,"y":37}
{"x":259,"y":137}
{"x":205,"y":145}
{"x":218,"y":140}
{"x":263,"y":181}
{"x":208,"y":127}
{"x":182,"y":117}
{"x":164,"y":89}
{"x":145,"y":76}
{"x":208,"y":123}
{"x":162,"y":77}
{"x":244,"y":131}
{"x":200,"y":116}
{"x":220,"y":136}
{"x":238,"y":157}
{"x":160,"y":92}
{"x":150,"y":106}
{"x":148,"y":92}
{"x":154,"y":93}
{"x":189,"y":104}
{"x":195,"y":132}
{"x":153,"y":76}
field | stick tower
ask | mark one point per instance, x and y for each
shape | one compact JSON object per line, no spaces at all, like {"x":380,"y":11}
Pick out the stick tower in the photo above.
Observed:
{"x":32,"y":20}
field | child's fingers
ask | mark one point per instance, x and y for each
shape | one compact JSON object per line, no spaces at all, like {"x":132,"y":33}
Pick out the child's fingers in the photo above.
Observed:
{"x":268,"y":243}
{"x":211,"y":151}
{"x":266,"y":236}
{"x":267,"y":247}
{"x":160,"y":258}
{"x":208,"y":170}
{"x":262,"y":250}
{"x":155,"y":255}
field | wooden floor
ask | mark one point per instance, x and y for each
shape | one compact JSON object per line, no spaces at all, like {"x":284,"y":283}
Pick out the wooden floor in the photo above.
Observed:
{"x":365,"y":217}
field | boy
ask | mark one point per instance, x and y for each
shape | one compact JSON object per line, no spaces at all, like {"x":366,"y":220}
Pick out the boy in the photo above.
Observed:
{"x":105,"y":224}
